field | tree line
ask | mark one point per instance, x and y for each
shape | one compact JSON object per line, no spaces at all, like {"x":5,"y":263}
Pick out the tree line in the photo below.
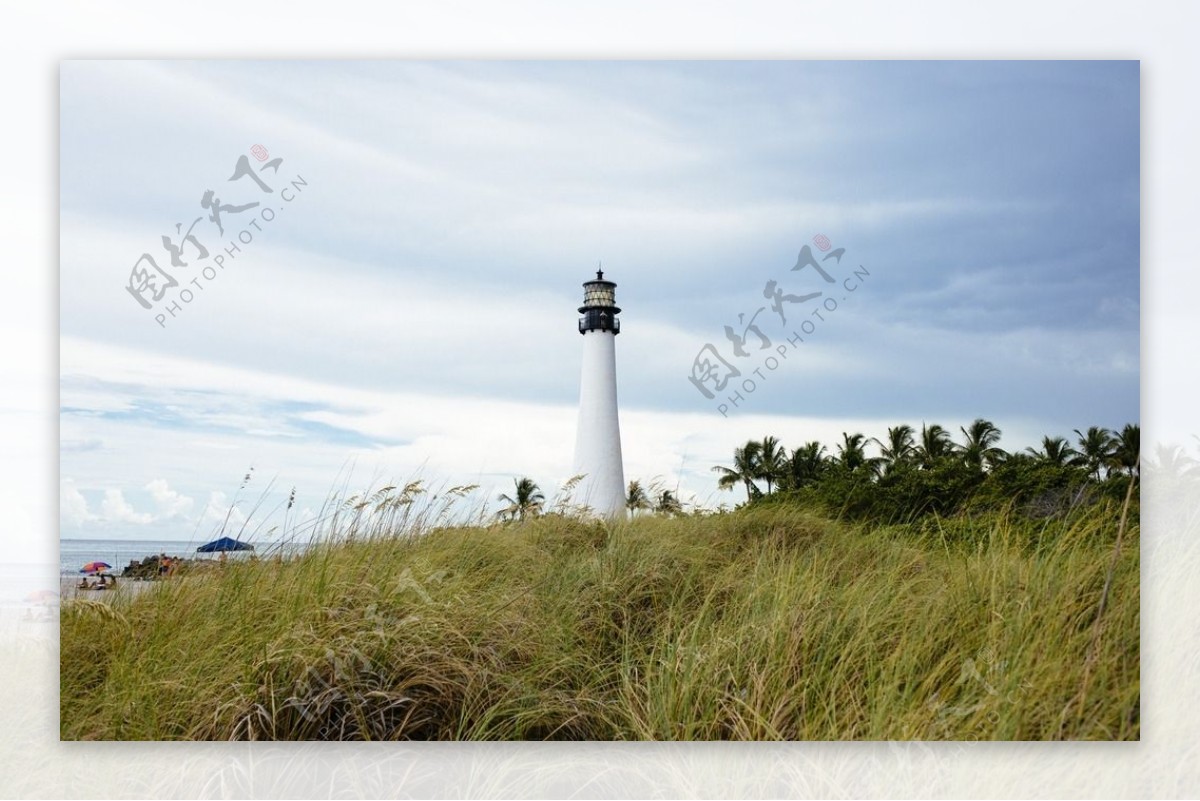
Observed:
{"x":931,"y":472}
{"x":912,"y":474}
{"x":528,"y":500}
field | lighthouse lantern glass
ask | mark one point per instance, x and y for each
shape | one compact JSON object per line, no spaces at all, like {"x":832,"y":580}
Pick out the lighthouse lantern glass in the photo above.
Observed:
{"x":599,"y":295}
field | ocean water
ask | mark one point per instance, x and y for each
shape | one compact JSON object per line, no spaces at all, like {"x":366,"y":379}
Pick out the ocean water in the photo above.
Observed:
{"x":74,"y":554}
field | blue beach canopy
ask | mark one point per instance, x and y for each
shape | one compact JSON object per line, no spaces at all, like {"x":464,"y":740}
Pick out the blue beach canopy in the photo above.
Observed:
{"x":225,"y":544}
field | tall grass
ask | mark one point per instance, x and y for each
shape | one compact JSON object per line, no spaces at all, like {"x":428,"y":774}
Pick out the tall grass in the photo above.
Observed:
{"x":768,"y":623}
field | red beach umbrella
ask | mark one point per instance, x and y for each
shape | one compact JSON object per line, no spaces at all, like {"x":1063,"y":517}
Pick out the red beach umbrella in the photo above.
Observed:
{"x":95,"y":567}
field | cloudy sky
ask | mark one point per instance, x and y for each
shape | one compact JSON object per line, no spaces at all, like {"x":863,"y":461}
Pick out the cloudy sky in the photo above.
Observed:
{"x":404,"y":299}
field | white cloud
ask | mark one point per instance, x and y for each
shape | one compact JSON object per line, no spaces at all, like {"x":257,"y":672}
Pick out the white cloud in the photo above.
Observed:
{"x":444,"y":438}
{"x":72,"y":506}
{"x":115,"y":509}
{"x":170,"y":503}
{"x":221,"y":512}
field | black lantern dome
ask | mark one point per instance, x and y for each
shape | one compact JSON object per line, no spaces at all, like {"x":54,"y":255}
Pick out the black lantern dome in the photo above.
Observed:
{"x":599,"y":307}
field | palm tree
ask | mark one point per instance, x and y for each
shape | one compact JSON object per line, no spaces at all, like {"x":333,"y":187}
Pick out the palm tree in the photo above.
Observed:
{"x":527,"y":499}
{"x":636,"y":499}
{"x":1095,"y":449}
{"x":772,"y":461}
{"x":852,"y":453}
{"x":744,"y":470}
{"x":807,"y":464}
{"x":1127,"y":448}
{"x":668,"y":504}
{"x":935,"y":444}
{"x":979,"y":447}
{"x":1055,"y":451}
{"x":899,"y":448}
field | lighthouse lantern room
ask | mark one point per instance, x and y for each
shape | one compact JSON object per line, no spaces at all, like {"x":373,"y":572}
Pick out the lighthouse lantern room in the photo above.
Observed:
{"x":599,"y":307}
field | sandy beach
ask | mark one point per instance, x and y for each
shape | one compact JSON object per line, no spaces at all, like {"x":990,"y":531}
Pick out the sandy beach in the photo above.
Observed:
{"x":69,"y":589}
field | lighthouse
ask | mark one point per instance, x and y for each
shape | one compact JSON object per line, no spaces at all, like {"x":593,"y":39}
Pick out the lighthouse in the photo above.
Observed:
{"x":598,"y":437}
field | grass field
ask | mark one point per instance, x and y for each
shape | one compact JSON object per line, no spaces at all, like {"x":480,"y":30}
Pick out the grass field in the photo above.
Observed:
{"x":767,"y":623}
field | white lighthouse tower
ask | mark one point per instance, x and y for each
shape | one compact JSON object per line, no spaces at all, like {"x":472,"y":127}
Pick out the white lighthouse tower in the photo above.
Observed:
{"x":598,"y":438}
